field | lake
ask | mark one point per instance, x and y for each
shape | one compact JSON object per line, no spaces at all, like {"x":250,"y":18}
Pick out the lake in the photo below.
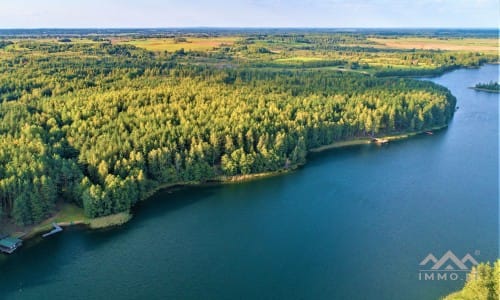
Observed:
{"x":354,"y":223}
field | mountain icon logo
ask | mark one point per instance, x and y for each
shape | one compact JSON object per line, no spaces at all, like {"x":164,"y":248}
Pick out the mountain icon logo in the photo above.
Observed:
{"x":449,"y":261}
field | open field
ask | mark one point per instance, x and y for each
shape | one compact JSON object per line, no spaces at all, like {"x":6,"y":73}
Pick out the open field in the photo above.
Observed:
{"x":465,"y":44}
{"x":170,"y":44}
{"x":300,"y":59}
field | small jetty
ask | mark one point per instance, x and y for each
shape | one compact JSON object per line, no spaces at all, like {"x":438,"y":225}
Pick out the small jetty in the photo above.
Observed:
{"x":9,"y":244}
{"x":380,"y":141}
{"x":56,"y":229}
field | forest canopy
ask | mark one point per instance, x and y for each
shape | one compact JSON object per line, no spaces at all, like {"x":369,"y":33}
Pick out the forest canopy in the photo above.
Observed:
{"x":483,"y":283}
{"x":101,"y":124}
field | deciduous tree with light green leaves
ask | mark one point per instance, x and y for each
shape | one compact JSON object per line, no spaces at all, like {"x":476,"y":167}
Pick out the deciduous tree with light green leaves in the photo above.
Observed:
{"x":483,"y":283}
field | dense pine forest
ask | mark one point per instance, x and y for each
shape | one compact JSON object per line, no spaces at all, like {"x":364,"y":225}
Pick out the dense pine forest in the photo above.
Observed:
{"x":101,"y":123}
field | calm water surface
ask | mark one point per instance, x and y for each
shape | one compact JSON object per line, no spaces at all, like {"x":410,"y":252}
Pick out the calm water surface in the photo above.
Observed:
{"x":352,"y":224}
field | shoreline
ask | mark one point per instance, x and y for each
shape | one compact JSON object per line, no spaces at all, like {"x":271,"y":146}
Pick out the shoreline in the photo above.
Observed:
{"x":96,"y":223}
{"x":440,"y":72}
{"x":484,"y":90}
{"x":366,"y":140}
{"x":62,"y":219}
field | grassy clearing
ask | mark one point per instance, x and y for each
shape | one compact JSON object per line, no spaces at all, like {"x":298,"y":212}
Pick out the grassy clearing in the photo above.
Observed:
{"x":66,"y":215}
{"x":466,"y":44}
{"x":361,"y":141}
{"x":169,"y":44}
{"x":300,"y":59}
{"x":70,"y":213}
{"x":252,"y":177}
{"x":108,"y":221}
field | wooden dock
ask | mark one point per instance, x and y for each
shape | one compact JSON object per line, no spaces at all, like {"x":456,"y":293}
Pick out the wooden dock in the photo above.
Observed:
{"x":56,"y":229}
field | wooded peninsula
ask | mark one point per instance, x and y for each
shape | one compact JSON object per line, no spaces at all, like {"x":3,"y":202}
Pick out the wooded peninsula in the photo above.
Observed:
{"x":101,"y":119}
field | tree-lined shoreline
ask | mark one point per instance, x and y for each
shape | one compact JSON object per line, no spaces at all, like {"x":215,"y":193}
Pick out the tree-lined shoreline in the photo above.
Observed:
{"x":103,"y":125}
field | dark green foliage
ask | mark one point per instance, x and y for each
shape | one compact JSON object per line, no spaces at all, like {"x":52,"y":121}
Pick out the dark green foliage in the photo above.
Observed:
{"x":101,"y":125}
{"x":490,"y":86}
{"x":4,"y":44}
{"x":416,"y":72}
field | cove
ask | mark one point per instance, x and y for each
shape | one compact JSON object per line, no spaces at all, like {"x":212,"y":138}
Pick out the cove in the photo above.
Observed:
{"x":353,"y":223}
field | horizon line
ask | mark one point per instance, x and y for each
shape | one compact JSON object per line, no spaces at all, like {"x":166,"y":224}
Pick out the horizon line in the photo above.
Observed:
{"x":247,"y":27}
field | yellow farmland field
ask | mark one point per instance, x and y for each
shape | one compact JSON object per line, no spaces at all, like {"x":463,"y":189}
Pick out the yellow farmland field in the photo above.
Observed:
{"x":466,"y":44}
{"x":169,"y":44}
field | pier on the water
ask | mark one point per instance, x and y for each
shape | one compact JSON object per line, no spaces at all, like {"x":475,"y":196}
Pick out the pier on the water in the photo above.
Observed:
{"x":56,"y":229}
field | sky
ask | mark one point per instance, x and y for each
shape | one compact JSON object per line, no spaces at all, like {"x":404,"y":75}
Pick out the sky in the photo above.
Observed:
{"x":249,"y":13}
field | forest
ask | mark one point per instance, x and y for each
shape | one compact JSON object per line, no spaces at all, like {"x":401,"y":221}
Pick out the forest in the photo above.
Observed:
{"x":489,"y":86}
{"x":483,"y":282}
{"x":101,"y":122}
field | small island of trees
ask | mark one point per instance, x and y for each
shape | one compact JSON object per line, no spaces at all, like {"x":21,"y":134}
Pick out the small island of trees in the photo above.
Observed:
{"x":492,"y":87}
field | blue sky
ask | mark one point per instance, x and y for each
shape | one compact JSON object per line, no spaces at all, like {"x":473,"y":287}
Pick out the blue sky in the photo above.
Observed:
{"x":248,"y":13}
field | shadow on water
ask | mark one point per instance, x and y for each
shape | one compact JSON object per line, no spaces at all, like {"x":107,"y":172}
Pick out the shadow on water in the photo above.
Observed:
{"x":169,"y":200}
{"x":59,"y":251}
{"x":34,"y":255}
